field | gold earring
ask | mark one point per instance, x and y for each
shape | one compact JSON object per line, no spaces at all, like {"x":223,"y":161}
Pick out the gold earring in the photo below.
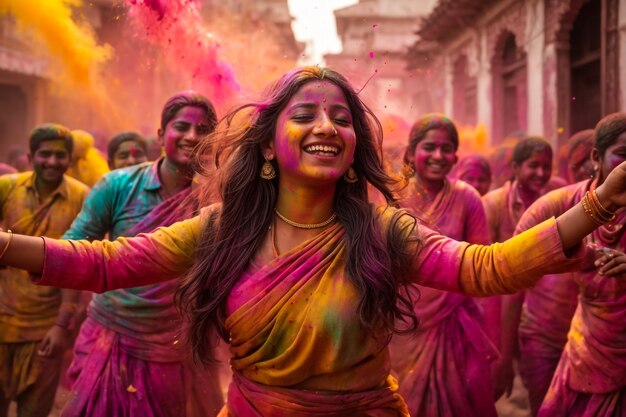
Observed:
{"x":350,"y":176}
{"x":267,"y":170}
{"x":407,"y":171}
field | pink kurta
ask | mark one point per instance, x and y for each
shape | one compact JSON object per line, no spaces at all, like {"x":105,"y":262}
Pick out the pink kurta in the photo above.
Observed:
{"x":300,"y":379}
{"x":444,"y":369}
{"x":590,"y":379}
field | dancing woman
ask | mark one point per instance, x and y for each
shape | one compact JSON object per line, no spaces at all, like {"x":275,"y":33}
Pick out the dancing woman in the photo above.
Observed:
{"x":295,"y":268}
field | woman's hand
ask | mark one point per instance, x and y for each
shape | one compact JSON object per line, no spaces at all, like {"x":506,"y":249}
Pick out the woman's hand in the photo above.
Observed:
{"x":611,"y":262}
{"x":612,"y":193}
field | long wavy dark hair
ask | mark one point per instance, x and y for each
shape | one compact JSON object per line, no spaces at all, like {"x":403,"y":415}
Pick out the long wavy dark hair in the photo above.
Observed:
{"x":376,"y":264}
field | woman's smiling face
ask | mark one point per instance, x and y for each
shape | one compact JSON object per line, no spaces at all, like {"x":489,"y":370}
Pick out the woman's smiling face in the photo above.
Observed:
{"x":182,"y":133}
{"x":434,"y":156}
{"x":315,"y":140}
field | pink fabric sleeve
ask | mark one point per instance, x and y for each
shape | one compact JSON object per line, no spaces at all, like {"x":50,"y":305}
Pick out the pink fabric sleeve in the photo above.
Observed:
{"x":500,"y":268}
{"x":101,"y":266}
{"x":476,"y":227}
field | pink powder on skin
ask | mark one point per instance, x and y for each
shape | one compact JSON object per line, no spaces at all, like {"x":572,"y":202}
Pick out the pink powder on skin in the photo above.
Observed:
{"x":307,"y":119}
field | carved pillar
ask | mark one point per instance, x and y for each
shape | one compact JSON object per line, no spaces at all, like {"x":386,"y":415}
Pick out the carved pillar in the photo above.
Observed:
{"x":609,"y":80}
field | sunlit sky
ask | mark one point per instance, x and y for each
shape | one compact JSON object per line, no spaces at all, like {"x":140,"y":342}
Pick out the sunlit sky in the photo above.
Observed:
{"x":314,"y":24}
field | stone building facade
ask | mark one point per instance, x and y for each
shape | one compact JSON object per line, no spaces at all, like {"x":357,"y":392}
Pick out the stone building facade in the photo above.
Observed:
{"x":547,"y":67}
{"x":375,"y":36}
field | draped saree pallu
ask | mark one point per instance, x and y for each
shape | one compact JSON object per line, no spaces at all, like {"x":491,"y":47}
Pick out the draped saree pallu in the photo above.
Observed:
{"x":127,"y":362}
{"x":444,"y":368}
{"x":297,"y":344}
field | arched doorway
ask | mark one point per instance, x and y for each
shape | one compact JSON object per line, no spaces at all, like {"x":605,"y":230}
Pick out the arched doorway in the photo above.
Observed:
{"x":586,"y":67}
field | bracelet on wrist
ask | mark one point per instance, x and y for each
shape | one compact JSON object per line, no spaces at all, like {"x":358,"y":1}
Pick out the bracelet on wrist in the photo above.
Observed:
{"x":595,"y":210}
{"x":6,"y":247}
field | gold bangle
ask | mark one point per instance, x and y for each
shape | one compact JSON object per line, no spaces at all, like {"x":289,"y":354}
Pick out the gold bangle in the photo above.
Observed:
{"x":10,"y":232}
{"x":593,"y":206}
{"x":610,"y":216}
{"x":587,"y":206}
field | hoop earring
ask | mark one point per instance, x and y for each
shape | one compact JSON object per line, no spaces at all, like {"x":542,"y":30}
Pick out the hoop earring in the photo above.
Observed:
{"x":350,"y":176}
{"x":267,"y":170}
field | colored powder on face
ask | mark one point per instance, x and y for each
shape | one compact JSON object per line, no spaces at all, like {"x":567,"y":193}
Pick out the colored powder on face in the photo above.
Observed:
{"x":72,"y":43}
{"x":371,"y":54}
{"x":176,"y":28}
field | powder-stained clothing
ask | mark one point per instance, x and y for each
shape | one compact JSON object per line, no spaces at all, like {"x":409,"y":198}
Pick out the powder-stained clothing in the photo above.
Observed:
{"x":147,"y":316}
{"x":444,"y":368}
{"x":134,"y":329}
{"x":297,"y":342}
{"x":590,"y":379}
{"x":548,"y":306}
{"x":28,"y":311}
{"x":31,"y":380}
{"x":503,"y":207}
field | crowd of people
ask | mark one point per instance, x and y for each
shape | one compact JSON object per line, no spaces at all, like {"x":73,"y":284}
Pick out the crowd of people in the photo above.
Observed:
{"x":277,"y":237}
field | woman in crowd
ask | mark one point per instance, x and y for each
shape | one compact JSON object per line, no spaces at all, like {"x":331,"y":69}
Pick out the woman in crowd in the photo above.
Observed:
{"x":295,"y":268}
{"x":126,"y":359}
{"x":590,"y":378}
{"x":579,"y":165}
{"x":531,"y":167}
{"x":126,"y":149}
{"x":451,"y":343}
{"x":474,"y":170}
{"x":549,"y":306}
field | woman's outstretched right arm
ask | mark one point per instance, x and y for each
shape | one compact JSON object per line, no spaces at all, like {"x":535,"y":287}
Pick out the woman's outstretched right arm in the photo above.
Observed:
{"x":100,"y":266}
